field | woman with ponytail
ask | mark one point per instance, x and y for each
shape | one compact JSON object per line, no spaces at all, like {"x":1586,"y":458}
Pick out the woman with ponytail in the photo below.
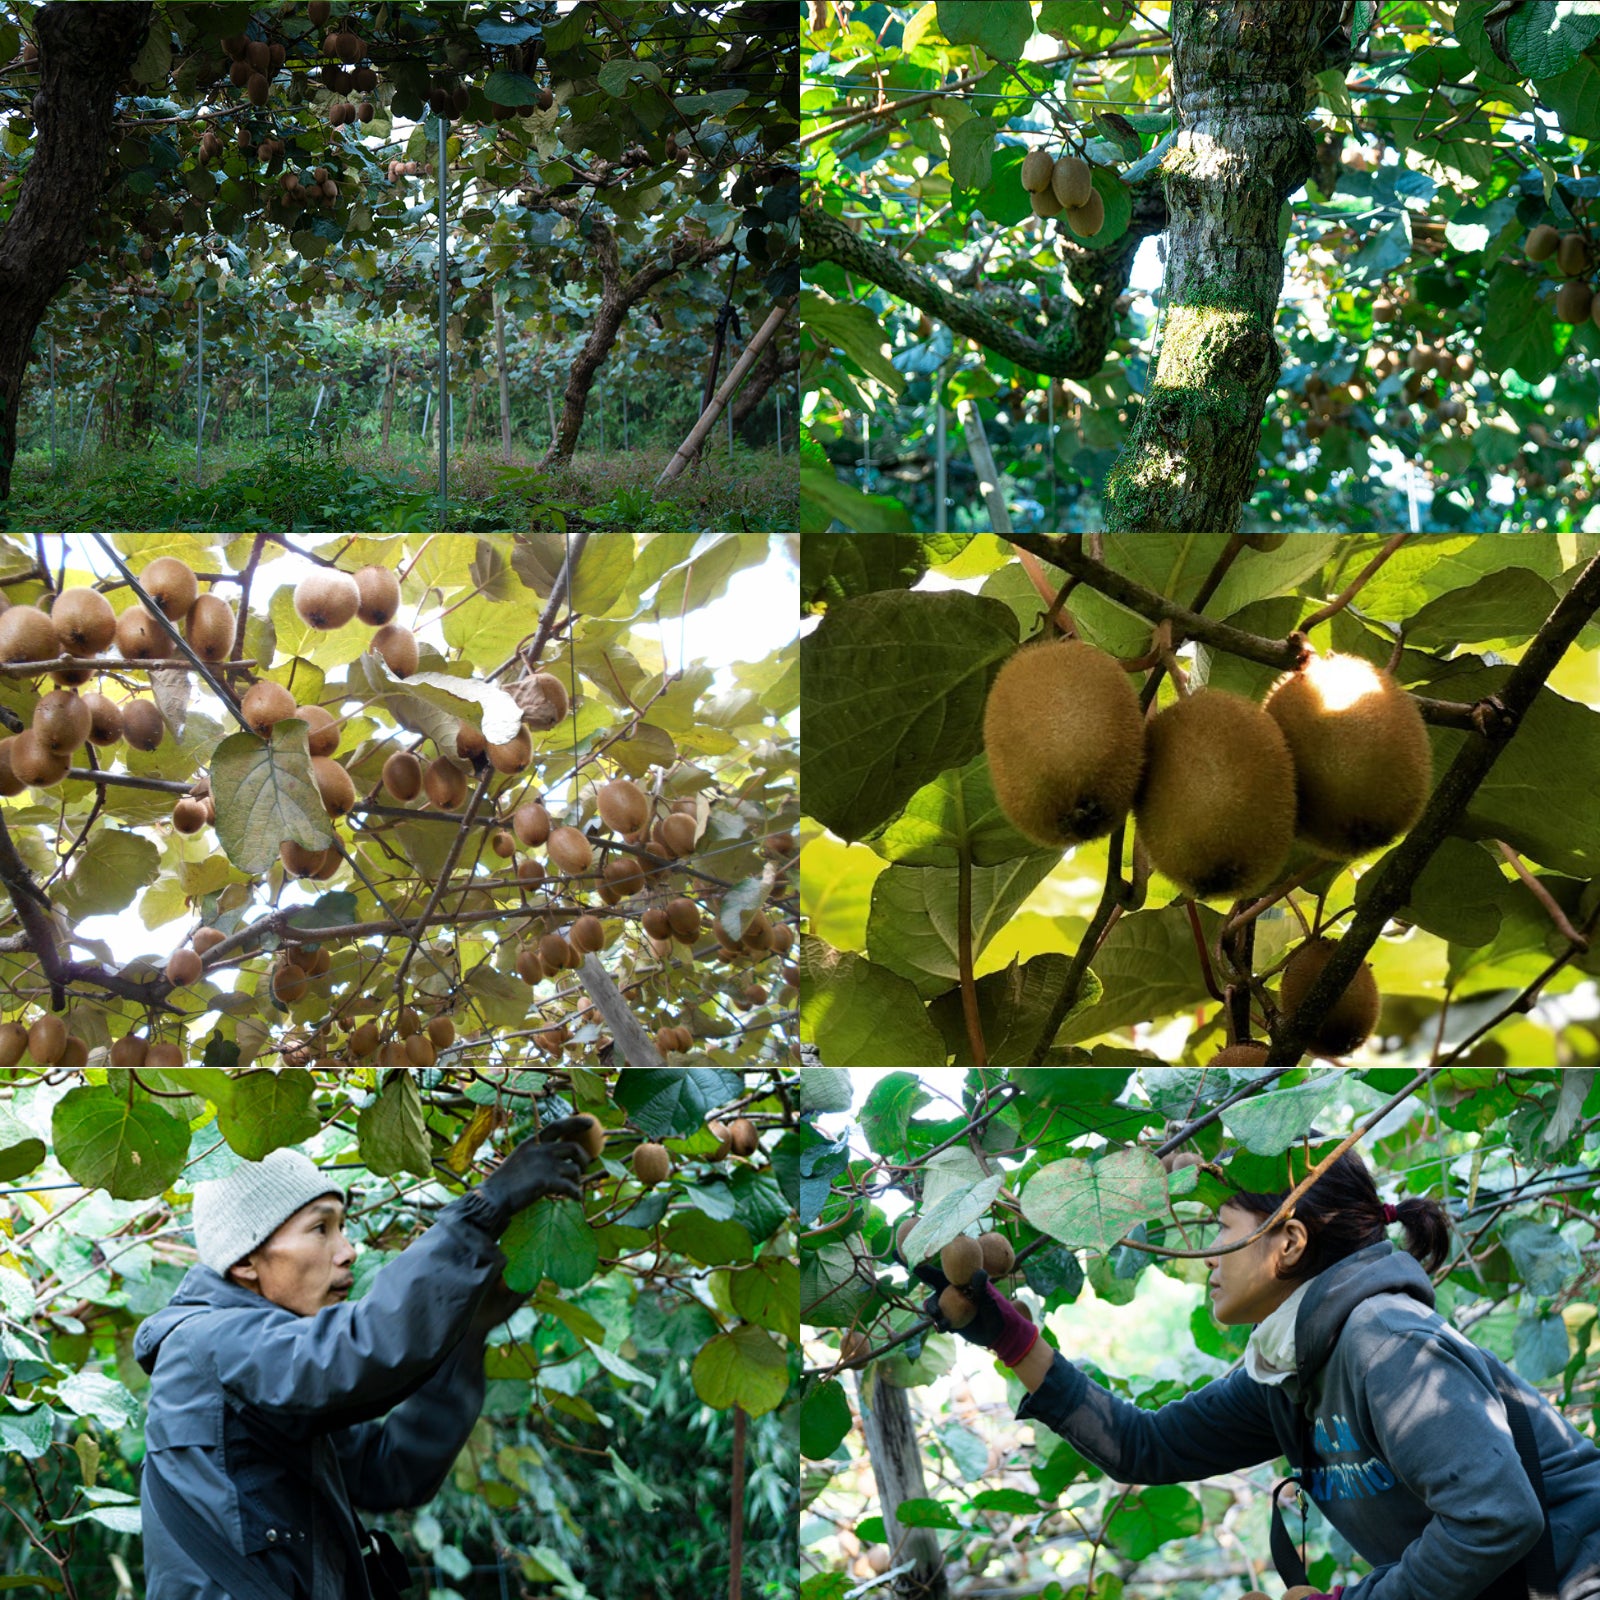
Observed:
{"x":1452,"y":1476}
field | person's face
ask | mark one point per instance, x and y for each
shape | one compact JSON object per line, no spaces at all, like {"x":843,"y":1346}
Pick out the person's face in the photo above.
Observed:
{"x":1243,"y":1288}
{"x":306,"y":1264}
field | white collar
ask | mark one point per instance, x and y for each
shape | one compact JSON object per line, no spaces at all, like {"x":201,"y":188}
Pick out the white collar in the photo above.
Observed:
{"x":1269,"y":1357}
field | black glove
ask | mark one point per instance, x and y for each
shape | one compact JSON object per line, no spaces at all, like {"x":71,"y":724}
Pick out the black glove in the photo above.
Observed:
{"x":989,"y":1324}
{"x":551,"y":1164}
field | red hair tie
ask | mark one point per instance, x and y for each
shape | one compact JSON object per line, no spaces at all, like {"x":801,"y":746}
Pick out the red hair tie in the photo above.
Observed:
{"x":1390,"y":1213}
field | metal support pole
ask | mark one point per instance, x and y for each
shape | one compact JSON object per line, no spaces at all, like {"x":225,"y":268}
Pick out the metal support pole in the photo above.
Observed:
{"x":1050,"y":445}
{"x":866,"y":455}
{"x":602,"y":419}
{"x":52,"y":405}
{"x":266,"y":389}
{"x":941,"y":468}
{"x":777,"y":399}
{"x":322,"y":390}
{"x":88,"y":412}
{"x":444,"y":348}
{"x":624,"y":421}
{"x":200,"y":381}
{"x":427,"y":410}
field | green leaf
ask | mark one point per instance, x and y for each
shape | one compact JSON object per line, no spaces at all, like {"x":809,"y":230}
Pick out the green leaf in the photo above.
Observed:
{"x":854,"y":331}
{"x":1545,"y":1261}
{"x":108,"y":873}
{"x":955,"y":815}
{"x":1268,"y":1124}
{"x":1546,"y":37}
{"x":693,"y":1234}
{"x":132,"y":1149}
{"x":1542,"y":1347}
{"x":971,"y":150}
{"x":744,"y":1367}
{"x":391,"y":1133}
{"x":667,"y":1104}
{"x":93,"y":1394}
{"x":925,"y":1513}
{"x":824,"y":1420}
{"x":1574,"y":96}
{"x":1013,"y":1008}
{"x":21,"y":1150}
{"x":833,"y":1291}
{"x":839,"y":566}
{"x":956,"y":1193}
{"x":1460,"y":896}
{"x":824,"y":500}
{"x":268,"y":1110}
{"x":1086,"y":24}
{"x":265,"y":795}
{"x":822,"y":1089}
{"x":861,"y":1015}
{"x":1501,"y":607}
{"x":550,"y":1239}
{"x":768,"y":1294}
{"x":1519,"y":329}
{"x":1150,"y":1517}
{"x":154,"y":60}
{"x":502,"y":88}
{"x":1000,"y":28}
{"x":895,"y":685}
{"x":27,"y":1435}
{"x":1147,"y":968}
{"x":1092,"y":1204}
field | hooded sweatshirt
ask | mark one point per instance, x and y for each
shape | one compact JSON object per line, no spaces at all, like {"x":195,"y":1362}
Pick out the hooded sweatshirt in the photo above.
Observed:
{"x":264,"y":1423}
{"x":1414,"y":1461}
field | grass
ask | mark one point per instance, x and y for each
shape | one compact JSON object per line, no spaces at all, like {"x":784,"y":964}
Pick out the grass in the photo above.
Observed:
{"x":302,"y":484}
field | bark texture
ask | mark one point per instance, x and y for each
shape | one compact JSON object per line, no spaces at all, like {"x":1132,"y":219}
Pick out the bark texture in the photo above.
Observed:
{"x":1242,"y":79}
{"x":85,"y":51}
{"x":775,"y":362}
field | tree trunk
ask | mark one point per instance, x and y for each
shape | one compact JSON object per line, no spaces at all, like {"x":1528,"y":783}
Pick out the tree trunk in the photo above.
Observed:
{"x":773,"y":364}
{"x":896,"y":1459}
{"x":505,"y":380}
{"x":84,"y":53}
{"x":1242,"y":75}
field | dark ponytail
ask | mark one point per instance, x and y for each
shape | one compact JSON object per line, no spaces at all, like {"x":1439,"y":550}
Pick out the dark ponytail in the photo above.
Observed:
{"x":1342,"y":1213}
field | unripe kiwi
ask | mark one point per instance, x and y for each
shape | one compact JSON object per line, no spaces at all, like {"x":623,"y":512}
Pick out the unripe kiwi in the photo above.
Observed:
{"x":445,"y":784}
{"x":1363,"y":766}
{"x":675,"y":834}
{"x":591,"y":1136}
{"x":398,"y":647}
{"x":587,"y":934}
{"x":1216,"y":804}
{"x":189,"y":815}
{"x":378,"y":596}
{"x":184,"y":967}
{"x":961,"y":1258}
{"x":207,"y":939}
{"x":1573,"y":301}
{"x":1541,"y":243}
{"x":512,"y":756}
{"x":1088,"y":219}
{"x":955,"y":1307}
{"x":26,"y":634}
{"x":1072,"y":182}
{"x":1247,"y":1054}
{"x":140,"y":637}
{"x":13,"y":1041}
{"x":998,"y":1256}
{"x":531,"y":823}
{"x":651,"y":1163}
{"x":326,"y":599}
{"x":1065,"y":740}
{"x":570,"y":850}
{"x":402,"y":775}
{"x":142,"y":723}
{"x":264,"y":704}
{"x":622,"y":806}
{"x":84,"y":622}
{"x":1036,"y":170}
{"x":171,"y":584}
{"x":61,"y":722}
{"x":47,"y":1038}
{"x":209,"y":628}
{"x":1351,"y":1018}
{"x":334,"y":784}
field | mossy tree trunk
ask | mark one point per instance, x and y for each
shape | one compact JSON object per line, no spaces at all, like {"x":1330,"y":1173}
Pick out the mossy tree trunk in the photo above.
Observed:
{"x":84,"y":53}
{"x":1242,"y":78}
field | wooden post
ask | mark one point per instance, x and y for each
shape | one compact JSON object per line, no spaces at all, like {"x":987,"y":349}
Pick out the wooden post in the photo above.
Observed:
{"x":505,"y":380}
{"x":983,"y":460}
{"x":637,"y":1046}
{"x":897,"y":1468}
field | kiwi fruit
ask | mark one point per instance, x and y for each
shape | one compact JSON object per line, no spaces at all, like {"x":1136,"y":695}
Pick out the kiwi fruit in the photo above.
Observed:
{"x":503,"y":844}
{"x":1185,"y":1158}
{"x":1089,"y":218}
{"x":1573,"y":301}
{"x":13,"y":1041}
{"x":654,"y":922}
{"x":393,"y":1057}
{"x":676,"y":835}
{"x":955,"y":1307}
{"x":171,"y":585}
{"x":10,"y":783}
{"x":555,"y":954}
{"x":163,"y":1057}
{"x":61,"y":722}
{"x":591,"y":1136}
{"x":542,"y":699}
{"x":442,"y":1031}
{"x":1072,"y":182}
{"x":184,"y":967}
{"x":398,"y":647}
{"x":142,"y":723}
{"x":26,"y":634}
{"x":998,"y":1256}
{"x":302,"y":863}
{"x":445,"y":783}
{"x":334,"y":784}
{"x":961,"y":1258}
{"x":324,"y":729}
{"x":264,"y":704}
{"x":33,"y":765}
{"x":622,"y":805}
{"x":402,"y":775}
{"x":530,"y":822}
{"x":552,"y":1040}
{"x":256,"y":87}
{"x":189,"y":815}
{"x":684,"y":916}
{"x":879,"y":1558}
{"x":326,"y":599}
{"x":512,"y":756}
{"x":1542,"y":243}
{"x":1216,"y":805}
{"x":289,"y":982}
{"x":1572,"y":254}
{"x":1044,"y":203}
{"x":529,"y":967}
{"x":1065,"y":741}
{"x":667,"y":1040}
{"x":140,"y":637}
{"x":469,"y":741}
{"x":1247,"y":1054}
{"x":651,"y":1163}
{"x":84,"y":622}
{"x":209,"y":628}
{"x":128,"y":1052}
{"x":318,"y":11}
{"x":1362,"y":762}
{"x":420,"y":1051}
{"x":742,"y":1137}
{"x":624,"y":875}
{"x":1351,"y":1018}
{"x":47,"y":1038}
{"x":587,"y":934}
{"x":570,"y":850}
{"x":207,"y":939}
{"x":377,"y":596}
{"x":1036,"y":169}
{"x":364,"y":1039}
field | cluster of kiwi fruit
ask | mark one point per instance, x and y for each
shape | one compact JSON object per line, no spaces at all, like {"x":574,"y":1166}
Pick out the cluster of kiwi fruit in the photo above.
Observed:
{"x":343,"y":111}
{"x":1576,"y":299}
{"x":1063,"y":186}
{"x":46,"y":1041}
{"x":322,"y":188}
{"x":406,"y":169}
{"x":1330,"y":404}
{"x":254,"y":63}
{"x":1426,"y":367}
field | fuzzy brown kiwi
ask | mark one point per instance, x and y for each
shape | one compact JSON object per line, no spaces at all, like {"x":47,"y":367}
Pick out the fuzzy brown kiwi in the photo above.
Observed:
{"x":445,"y":784}
{"x":256,"y":87}
{"x":207,"y":939}
{"x":960,"y":1259}
{"x":503,"y":844}
{"x":34,"y":765}
{"x":324,"y":729}
{"x":590,"y":1136}
{"x":61,"y":722}
{"x":1351,"y":1018}
{"x":654,"y":922}
{"x":289,"y":982}
{"x":379,"y":596}
{"x":1246,"y":1054}
{"x":587,"y":934}
{"x":469,"y":741}
{"x":26,"y":634}
{"x":676,"y":835}
{"x":402,"y":775}
{"x":326,"y":599}
{"x":1044,"y":203}
{"x":334,"y":784}
{"x":622,"y":805}
{"x":420,"y":1051}
{"x":512,"y":756}
{"x":531,"y":823}
{"x":555,"y":954}
{"x":10,"y":783}
{"x":1573,"y":301}
{"x":1036,"y":170}
{"x":1088,"y":219}
{"x":1542,"y":243}
{"x":13,"y":1041}
{"x":1572,"y":254}
{"x":142,"y":724}
{"x":364,"y":1039}
{"x":955,"y":1307}
{"x":570,"y":850}
{"x":742,"y":1136}
{"x":350,"y":48}
{"x":184,"y":967}
{"x":1216,"y":804}
{"x":171,"y":585}
{"x":398,"y":647}
{"x":189,"y":815}
{"x":47,"y":1038}
{"x":209,"y":628}
{"x":542,"y":699}
{"x":84,"y":622}
{"x":442,"y":1031}
{"x":651,"y":1163}
{"x":529,"y":967}
{"x":998,"y":1256}
{"x":684,"y":915}
{"x":140,"y":637}
{"x":265,"y":704}
{"x":129,"y":1052}
{"x":318,"y":11}
{"x":1072,"y":182}
{"x":624,"y":875}
{"x":1362,"y":761}
{"x":163,"y":1056}
{"x":393,"y":1057}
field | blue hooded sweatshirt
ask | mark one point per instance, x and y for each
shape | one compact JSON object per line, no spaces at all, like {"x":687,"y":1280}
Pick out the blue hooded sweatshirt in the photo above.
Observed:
{"x":1414,"y":1461}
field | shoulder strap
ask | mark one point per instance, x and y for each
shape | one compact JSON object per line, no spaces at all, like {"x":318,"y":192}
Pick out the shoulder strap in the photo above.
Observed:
{"x":230,"y":1573}
{"x":1289,"y":1561}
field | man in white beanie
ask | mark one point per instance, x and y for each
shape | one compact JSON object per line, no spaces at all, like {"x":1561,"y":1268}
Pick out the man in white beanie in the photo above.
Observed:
{"x":266,"y":1382}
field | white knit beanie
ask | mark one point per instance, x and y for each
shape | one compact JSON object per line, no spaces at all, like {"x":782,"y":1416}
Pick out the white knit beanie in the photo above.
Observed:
{"x":232,"y":1215}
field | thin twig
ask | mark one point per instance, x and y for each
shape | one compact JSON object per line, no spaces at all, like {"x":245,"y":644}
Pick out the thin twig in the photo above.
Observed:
{"x":1543,"y":896}
{"x":1357,"y":584}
